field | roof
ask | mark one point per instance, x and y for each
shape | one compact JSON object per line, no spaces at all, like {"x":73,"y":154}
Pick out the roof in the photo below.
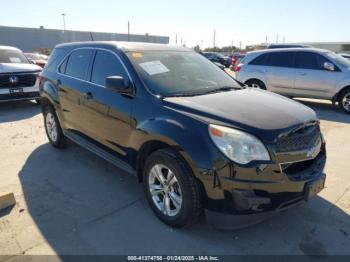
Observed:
{"x":125,"y":46}
{"x":289,"y":50}
{"x":4,"y":47}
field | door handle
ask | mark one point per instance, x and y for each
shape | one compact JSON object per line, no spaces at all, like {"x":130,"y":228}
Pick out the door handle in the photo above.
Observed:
{"x":88,"y":96}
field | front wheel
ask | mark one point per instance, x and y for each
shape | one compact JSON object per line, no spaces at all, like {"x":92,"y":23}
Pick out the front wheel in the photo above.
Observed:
{"x":171,"y":189}
{"x":344,"y":101}
{"x":256,"y":84}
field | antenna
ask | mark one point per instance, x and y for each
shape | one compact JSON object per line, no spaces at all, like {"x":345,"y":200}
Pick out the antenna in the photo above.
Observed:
{"x":92,"y":38}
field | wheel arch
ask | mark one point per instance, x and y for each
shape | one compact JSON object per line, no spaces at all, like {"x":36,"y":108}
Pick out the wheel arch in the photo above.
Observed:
{"x":336,"y":96}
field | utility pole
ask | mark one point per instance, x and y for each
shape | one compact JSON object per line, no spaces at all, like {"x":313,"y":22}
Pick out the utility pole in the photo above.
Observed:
{"x":214,"y":38}
{"x":176,"y":39}
{"x":277,"y":37}
{"x":201,"y":45}
{"x":64,"y":21}
{"x":267,"y":39}
{"x":240,"y":45}
{"x":128,"y":31}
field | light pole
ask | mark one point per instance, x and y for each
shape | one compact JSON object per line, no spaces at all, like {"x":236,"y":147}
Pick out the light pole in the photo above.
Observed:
{"x":128,"y":31}
{"x":64,"y":21}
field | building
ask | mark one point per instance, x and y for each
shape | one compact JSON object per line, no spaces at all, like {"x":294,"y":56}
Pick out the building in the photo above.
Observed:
{"x":32,"y":39}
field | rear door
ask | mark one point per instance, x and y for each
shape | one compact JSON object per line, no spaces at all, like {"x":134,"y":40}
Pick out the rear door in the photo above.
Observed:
{"x":280,"y":72}
{"x":312,"y":79}
{"x":107,"y":114}
{"x":71,"y":84}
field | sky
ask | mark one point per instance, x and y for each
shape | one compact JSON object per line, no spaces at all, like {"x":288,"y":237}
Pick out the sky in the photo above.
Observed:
{"x":235,"y":21}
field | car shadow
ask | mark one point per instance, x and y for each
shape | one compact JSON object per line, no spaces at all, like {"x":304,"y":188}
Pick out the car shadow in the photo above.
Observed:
{"x":83,"y":205}
{"x":326,"y":111}
{"x":18,"y":110}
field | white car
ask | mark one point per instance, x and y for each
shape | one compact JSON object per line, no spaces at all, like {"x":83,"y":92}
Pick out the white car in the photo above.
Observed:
{"x":299,"y":72}
{"x":18,"y":76}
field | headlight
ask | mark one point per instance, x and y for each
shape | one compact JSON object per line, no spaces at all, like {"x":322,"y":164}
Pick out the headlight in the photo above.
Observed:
{"x":238,"y":146}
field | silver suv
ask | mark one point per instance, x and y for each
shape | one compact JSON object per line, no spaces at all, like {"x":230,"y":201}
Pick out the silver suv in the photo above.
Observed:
{"x":19,"y":78}
{"x":299,"y":72}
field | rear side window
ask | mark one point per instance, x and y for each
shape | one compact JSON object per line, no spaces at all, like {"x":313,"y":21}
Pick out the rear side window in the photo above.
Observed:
{"x":309,"y":60}
{"x":260,"y":60}
{"x":281,"y":59}
{"x":106,"y":64}
{"x":54,"y":59}
{"x":78,"y":63}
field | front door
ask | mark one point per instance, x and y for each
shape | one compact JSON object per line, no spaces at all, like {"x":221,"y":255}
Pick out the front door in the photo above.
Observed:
{"x":312,"y":79}
{"x":107,"y":113}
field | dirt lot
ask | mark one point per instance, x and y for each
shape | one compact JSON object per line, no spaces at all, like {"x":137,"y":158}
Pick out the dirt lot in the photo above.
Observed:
{"x":72,"y":202}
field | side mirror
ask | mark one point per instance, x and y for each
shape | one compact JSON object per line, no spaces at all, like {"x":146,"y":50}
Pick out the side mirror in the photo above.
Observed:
{"x":329,"y":66}
{"x":118,"y":84}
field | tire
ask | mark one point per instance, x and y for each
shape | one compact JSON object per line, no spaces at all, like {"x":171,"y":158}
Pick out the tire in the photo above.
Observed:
{"x":183,"y":186}
{"x":53,"y":128}
{"x":256,"y":84}
{"x":344,"y":100}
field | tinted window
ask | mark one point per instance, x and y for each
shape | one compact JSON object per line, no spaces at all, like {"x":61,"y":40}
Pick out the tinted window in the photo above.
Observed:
{"x":78,"y":63}
{"x":260,"y":60}
{"x":55,"y":59}
{"x":63,"y":66}
{"x":281,"y":59}
{"x":106,"y":64}
{"x":308,"y":60}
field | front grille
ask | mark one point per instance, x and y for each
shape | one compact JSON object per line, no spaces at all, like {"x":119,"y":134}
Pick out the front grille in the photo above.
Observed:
{"x":21,"y":80}
{"x":305,"y":170}
{"x":299,"y":140}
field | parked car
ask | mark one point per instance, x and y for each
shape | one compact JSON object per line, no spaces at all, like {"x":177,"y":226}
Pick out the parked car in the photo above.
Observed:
{"x":36,"y":59}
{"x":18,"y":77}
{"x":218,"y":58}
{"x":299,"y":72}
{"x":236,"y":59}
{"x":191,"y":133}
{"x":278,"y":46}
{"x":346,"y":56}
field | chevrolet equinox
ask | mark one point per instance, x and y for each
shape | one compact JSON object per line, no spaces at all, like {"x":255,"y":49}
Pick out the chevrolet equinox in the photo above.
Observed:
{"x":195,"y":137}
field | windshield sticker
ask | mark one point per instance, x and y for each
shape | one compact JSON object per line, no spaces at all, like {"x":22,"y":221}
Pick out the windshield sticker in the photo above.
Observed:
{"x":15,"y":60}
{"x":154,"y":68}
{"x":137,"y":55}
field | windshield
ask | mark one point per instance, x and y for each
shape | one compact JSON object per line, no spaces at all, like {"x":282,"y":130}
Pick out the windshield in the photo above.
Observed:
{"x":339,"y":59}
{"x":12,"y":56}
{"x":169,"y":73}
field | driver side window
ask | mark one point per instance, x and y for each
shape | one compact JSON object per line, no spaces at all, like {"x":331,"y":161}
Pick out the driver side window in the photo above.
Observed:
{"x":106,"y":64}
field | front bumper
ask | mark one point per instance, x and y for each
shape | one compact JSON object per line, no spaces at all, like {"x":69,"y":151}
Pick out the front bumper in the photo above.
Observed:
{"x":25,"y":93}
{"x":242,"y":197}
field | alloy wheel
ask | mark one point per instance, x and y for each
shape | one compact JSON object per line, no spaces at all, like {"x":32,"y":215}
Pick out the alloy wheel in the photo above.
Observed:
{"x":346,"y":102}
{"x":51,"y":127}
{"x":165,"y":190}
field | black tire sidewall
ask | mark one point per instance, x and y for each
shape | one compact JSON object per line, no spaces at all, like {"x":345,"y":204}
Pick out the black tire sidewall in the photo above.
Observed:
{"x":258,"y":83}
{"x":161,"y":157}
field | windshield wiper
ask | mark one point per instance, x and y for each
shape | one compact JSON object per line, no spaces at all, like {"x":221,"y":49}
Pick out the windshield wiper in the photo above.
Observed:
{"x":222,"y":89}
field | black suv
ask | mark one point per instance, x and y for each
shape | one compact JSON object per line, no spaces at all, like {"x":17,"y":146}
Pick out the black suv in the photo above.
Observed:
{"x":192,"y":134}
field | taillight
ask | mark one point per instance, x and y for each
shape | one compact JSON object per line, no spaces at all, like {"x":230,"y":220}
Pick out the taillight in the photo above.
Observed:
{"x":238,"y":68}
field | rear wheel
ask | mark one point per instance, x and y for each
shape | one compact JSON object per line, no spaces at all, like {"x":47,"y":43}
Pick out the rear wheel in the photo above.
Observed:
{"x":256,"y":84}
{"x":171,"y":189}
{"x":344,"y":100}
{"x":53,"y":128}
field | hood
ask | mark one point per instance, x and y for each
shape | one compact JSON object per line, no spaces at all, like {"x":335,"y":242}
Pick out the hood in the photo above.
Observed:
{"x":18,"y":68}
{"x":259,"y":112}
